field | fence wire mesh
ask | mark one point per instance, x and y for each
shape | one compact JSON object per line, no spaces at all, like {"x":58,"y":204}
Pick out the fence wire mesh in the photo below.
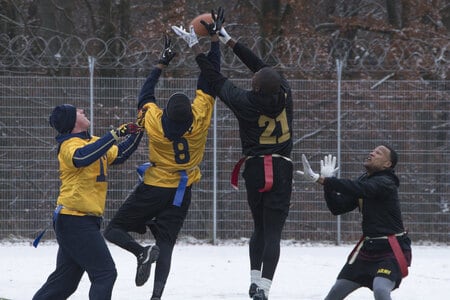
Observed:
{"x":413,"y":116}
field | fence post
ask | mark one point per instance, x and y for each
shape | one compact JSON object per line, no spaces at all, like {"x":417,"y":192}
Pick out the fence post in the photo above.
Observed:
{"x":339,"y":65}
{"x":91,"y":92}
{"x":215,"y":174}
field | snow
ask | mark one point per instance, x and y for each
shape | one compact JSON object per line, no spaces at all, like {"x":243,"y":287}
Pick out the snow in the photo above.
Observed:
{"x":205,"y":271}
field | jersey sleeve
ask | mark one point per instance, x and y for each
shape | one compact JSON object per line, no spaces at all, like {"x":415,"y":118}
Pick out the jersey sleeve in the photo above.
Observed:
{"x":147,"y":93}
{"x":89,"y":153}
{"x":253,"y":62}
{"x":202,"y":107}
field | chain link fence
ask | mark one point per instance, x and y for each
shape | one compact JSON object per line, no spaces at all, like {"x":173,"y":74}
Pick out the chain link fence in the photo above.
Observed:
{"x":38,"y":73}
{"x":413,"y":116}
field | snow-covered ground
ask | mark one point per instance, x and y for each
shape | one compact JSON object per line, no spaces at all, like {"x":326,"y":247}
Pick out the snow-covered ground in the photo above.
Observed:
{"x":204,"y":271}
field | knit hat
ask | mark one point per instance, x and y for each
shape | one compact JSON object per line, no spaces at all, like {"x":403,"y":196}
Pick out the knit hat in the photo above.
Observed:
{"x":63,"y":118}
{"x":179,"y":108}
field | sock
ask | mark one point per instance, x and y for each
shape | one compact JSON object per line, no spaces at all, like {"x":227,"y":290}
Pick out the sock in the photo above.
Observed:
{"x":255,"y":276}
{"x":265,"y":284}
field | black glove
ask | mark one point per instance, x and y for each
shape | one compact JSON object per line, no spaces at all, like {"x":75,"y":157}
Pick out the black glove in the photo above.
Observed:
{"x":217,"y":23}
{"x":167,"y":54}
{"x":125,"y":129}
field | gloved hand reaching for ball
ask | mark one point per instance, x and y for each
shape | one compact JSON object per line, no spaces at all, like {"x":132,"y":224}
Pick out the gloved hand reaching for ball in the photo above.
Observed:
{"x":217,"y":21}
{"x":167,"y":54}
{"x":190,"y":37}
{"x":327,"y":168}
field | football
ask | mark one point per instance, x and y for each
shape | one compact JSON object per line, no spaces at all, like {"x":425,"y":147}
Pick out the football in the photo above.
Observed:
{"x":200,"y":30}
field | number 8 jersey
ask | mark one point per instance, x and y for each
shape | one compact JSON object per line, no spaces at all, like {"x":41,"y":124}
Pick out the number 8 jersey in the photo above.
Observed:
{"x":169,"y":157}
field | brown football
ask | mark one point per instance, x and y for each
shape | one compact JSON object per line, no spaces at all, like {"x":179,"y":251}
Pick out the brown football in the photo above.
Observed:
{"x":200,"y":30}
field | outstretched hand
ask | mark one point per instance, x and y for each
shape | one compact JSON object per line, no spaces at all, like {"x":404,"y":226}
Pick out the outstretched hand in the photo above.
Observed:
{"x":167,"y":54}
{"x":307,"y":172}
{"x":218,"y":20}
{"x":189,"y":37}
{"x":328,"y":166}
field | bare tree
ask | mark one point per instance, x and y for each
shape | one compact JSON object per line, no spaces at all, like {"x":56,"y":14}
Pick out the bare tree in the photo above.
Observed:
{"x":394,"y":13}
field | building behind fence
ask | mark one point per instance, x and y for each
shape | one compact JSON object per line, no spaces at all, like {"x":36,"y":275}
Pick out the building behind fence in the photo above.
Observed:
{"x":413,"y":116}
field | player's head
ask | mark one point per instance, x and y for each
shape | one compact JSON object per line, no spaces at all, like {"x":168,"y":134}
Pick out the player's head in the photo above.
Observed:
{"x":381,"y":158}
{"x":266,"y":81}
{"x":63,"y":118}
{"x":266,"y":85}
{"x":179,"y":108}
{"x":393,"y":155}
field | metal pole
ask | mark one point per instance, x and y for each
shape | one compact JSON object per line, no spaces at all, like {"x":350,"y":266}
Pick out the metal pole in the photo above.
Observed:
{"x":215,"y":174}
{"x":339,"y":65}
{"x":91,"y":92}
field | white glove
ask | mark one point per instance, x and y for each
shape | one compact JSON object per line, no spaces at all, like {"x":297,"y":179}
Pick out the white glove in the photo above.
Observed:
{"x":308,"y":173}
{"x":328,"y":166}
{"x":189,"y":37}
{"x":224,"y":37}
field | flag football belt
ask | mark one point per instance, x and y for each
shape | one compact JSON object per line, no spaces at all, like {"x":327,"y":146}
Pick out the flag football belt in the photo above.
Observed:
{"x":41,"y":234}
{"x":268,"y":170}
{"x":60,"y":209}
{"x":181,"y":188}
{"x":393,"y":242}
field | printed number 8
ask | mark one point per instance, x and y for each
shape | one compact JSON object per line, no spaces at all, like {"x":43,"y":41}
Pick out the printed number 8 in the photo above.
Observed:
{"x":181,"y":151}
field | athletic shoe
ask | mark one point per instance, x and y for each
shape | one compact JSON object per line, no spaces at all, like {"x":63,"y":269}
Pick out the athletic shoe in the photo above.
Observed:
{"x":252,"y":290}
{"x":260,"y":295}
{"x":144,"y":263}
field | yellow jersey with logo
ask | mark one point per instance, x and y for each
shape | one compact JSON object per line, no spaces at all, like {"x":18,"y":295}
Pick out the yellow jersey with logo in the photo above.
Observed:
{"x":186,"y":153}
{"x":83,"y":190}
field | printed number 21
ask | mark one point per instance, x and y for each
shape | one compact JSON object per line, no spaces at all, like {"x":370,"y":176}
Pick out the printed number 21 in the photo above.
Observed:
{"x":267,"y":136}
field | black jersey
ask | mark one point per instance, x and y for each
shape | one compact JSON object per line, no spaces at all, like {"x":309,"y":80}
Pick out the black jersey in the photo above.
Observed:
{"x":376,"y":196}
{"x":263,"y":129}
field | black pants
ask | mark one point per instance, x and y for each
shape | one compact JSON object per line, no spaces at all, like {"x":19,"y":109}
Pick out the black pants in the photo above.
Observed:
{"x":269,"y":211}
{"x":150,"y":207}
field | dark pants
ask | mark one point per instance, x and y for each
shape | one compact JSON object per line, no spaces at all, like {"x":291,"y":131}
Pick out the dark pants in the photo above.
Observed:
{"x":150,"y":207}
{"x":269,"y":211}
{"x":81,"y":248}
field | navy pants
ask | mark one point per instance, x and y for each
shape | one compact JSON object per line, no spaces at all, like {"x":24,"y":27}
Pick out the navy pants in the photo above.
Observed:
{"x":81,"y":248}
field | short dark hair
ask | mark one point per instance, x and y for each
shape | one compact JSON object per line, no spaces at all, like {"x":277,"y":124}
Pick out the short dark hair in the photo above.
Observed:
{"x":269,"y":81}
{"x":393,"y":155}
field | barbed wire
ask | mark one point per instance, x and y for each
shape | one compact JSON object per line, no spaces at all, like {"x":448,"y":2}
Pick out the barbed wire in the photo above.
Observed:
{"x":293,"y":53}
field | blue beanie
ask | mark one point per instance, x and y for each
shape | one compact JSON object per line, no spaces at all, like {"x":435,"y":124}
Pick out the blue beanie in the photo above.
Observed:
{"x":63,"y":118}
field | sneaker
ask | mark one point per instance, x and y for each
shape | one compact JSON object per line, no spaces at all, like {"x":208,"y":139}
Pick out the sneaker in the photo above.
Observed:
{"x":144,"y":263}
{"x":259,"y":295}
{"x":252,"y":290}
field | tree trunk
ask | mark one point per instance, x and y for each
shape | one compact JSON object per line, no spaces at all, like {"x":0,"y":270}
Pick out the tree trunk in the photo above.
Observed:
{"x":395,"y":12}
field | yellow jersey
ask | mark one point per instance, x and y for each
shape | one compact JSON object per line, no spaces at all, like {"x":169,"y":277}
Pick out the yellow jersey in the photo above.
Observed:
{"x":186,"y":153}
{"x":83,"y":190}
